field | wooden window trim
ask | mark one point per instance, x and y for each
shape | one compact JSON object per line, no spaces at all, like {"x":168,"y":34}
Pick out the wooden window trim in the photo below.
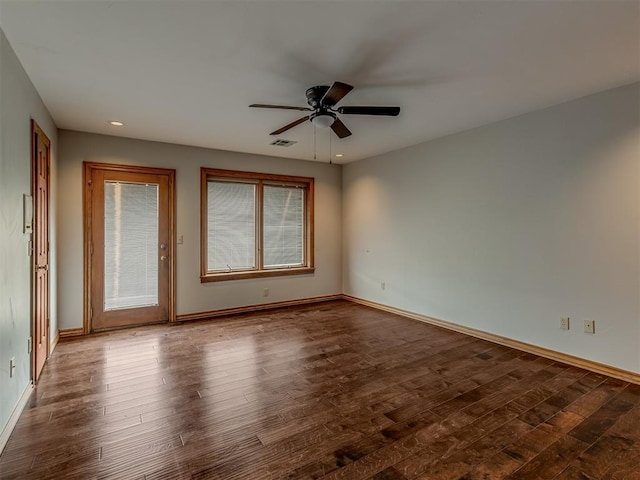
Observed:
{"x":259,"y":179}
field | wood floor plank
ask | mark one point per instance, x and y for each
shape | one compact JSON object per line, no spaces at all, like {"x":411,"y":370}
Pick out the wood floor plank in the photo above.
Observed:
{"x":609,"y":456}
{"x":326,"y":391}
{"x":552,"y":460}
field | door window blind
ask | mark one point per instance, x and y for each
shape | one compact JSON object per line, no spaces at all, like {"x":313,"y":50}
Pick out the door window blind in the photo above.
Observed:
{"x":130,"y":245}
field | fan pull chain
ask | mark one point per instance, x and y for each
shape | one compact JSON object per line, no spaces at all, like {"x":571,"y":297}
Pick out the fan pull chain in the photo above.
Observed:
{"x":314,"y":142}
{"x":330,"y":149}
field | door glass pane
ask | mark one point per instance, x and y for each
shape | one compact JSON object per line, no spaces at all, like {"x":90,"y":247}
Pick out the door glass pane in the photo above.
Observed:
{"x":231,"y":226}
{"x":283,"y":226}
{"x":130,"y":245}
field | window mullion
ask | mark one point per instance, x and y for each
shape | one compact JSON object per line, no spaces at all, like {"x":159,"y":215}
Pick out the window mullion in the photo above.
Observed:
{"x":259,"y":223}
{"x":305,"y":222}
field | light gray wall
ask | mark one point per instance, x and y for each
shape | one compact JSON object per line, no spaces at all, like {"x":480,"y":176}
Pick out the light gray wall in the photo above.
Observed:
{"x":508,"y":227}
{"x":191,"y":295}
{"x":19,"y":103}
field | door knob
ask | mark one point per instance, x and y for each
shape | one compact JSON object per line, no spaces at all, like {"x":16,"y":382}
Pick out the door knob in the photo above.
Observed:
{"x":163,"y":258}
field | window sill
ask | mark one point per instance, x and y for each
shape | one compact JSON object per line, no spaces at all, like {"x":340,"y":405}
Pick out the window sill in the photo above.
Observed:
{"x":220,"y":277}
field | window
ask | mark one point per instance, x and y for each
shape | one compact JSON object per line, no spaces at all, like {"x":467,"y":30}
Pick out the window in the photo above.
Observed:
{"x":255,"y":225}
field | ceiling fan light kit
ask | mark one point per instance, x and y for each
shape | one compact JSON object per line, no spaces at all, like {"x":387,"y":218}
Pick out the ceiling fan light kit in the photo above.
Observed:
{"x":322,"y":99}
{"x":322,"y":119}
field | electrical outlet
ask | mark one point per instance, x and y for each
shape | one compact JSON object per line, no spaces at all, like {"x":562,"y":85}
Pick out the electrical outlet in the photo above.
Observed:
{"x":180,"y":240}
{"x":564,"y":323}
{"x":265,"y":292}
{"x":589,"y":326}
{"x":12,"y":366}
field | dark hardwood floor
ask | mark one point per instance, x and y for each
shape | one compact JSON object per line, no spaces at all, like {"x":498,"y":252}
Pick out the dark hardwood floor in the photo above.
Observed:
{"x":333,"y":391}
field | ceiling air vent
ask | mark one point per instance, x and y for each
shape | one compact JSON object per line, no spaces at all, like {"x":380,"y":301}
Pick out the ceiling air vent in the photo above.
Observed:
{"x":283,"y":143}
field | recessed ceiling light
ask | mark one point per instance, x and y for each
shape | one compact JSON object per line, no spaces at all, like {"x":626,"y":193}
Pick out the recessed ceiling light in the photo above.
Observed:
{"x":116,"y":124}
{"x":339,"y":155}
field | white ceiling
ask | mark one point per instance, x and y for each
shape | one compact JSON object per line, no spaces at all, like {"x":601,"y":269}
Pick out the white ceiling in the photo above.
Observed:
{"x":185,"y":72}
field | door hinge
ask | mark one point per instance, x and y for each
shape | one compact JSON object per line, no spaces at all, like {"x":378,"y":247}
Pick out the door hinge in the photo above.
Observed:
{"x":91,"y":248}
{"x":29,"y":344}
{"x":91,"y":313}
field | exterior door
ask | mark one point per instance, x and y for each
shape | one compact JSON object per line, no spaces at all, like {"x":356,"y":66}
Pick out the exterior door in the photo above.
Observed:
{"x":40,"y":328}
{"x":130,"y":245}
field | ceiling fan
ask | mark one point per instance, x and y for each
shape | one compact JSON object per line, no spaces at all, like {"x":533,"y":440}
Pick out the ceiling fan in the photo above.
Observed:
{"x":321,"y":100}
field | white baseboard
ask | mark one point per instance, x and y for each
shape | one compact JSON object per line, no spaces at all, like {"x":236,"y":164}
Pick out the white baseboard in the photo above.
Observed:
{"x":13,"y":419}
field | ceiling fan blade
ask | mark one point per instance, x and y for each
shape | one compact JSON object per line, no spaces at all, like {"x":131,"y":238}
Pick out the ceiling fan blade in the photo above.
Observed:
{"x":336,"y":93}
{"x":281,"y":107}
{"x":340,"y":129}
{"x":291,"y":125}
{"x":388,"y":111}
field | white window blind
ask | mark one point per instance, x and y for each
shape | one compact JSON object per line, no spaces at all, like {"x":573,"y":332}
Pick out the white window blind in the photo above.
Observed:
{"x":231,"y":226}
{"x":130,"y":245}
{"x":283,"y":226}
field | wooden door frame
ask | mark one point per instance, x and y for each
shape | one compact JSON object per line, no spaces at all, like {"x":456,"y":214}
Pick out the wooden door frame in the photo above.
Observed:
{"x":36,"y":130}
{"x":88,"y":168}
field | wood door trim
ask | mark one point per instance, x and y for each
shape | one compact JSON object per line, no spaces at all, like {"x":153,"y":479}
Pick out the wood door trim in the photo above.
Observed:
{"x":87,"y":172}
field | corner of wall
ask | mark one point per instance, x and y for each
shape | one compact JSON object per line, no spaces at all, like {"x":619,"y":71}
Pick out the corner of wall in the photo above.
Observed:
{"x":20,"y":104}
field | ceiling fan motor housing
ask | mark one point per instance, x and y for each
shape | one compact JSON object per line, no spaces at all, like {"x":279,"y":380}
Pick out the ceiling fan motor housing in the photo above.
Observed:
{"x":315,"y":94}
